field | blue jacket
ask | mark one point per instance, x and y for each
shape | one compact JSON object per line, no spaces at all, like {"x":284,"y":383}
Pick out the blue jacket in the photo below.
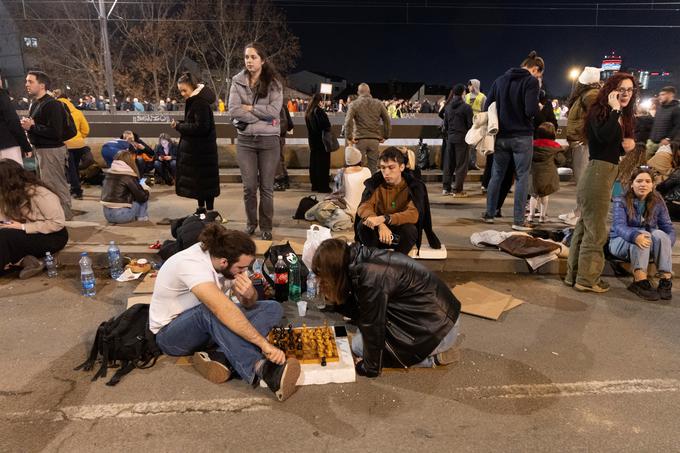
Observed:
{"x":628,"y":230}
{"x":516,"y":96}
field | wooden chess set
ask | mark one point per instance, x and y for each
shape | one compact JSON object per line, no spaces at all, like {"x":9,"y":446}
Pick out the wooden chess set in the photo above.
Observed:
{"x":310,"y":345}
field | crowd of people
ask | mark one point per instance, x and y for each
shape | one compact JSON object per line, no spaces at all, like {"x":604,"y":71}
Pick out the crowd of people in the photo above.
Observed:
{"x":406,"y":315}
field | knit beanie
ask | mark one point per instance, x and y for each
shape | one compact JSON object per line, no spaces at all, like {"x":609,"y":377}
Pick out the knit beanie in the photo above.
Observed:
{"x":352,"y":156}
{"x":589,"y":76}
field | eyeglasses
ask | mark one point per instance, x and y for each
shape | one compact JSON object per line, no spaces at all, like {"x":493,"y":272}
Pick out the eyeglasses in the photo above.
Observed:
{"x":626,"y":90}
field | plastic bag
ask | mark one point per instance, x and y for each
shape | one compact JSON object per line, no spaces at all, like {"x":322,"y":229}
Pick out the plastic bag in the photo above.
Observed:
{"x":316,"y":234}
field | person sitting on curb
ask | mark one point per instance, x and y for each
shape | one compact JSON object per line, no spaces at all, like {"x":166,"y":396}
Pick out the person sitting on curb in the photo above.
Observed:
{"x":407,"y":316}
{"x":165,"y":159}
{"x":394,"y":207}
{"x":125,"y":197}
{"x":191,"y":307}
{"x":642,"y":229}
{"x":32,"y":220}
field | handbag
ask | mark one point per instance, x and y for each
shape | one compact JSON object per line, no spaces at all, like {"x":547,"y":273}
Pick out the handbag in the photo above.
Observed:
{"x":330,"y":141}
{"x":238,"y":124}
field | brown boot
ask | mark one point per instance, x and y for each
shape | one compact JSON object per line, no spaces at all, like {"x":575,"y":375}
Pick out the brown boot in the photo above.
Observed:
{"x":30,"y":267}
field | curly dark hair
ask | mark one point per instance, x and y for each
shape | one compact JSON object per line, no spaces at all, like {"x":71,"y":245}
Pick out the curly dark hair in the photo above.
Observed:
{"x":600,"y":109}
{"x":17,"y":187}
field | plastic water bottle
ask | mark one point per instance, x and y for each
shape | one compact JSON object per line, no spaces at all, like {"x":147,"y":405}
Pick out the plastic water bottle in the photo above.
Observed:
{"x":115,"y":262}
{"x":87,"y":275}
{"x":257,"y":266}
{"x":50,"y":265}
{"x":294,"y":286}
{"x":280,"y":280}
{"x":311,"y":286}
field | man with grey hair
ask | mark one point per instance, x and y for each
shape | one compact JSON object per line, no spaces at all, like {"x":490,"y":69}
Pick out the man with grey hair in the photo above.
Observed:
{"x":363,"y":126}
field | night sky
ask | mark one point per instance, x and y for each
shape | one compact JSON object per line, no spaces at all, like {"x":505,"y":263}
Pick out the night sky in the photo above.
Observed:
{"x":441,"y":42}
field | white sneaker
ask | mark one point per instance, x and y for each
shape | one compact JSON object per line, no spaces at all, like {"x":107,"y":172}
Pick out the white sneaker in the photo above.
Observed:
{"x":568,"y":216}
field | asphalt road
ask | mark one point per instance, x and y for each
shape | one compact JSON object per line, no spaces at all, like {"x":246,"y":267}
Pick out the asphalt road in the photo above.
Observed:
{"x":563,"y":372}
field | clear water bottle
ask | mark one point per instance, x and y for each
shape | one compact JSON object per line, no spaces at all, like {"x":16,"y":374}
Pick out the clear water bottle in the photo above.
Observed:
{"x":87,"y":275}
{"x":294,"y":285}
{"x":50,"y":265}
{"x":311,"y":286}
{"x":257,"y":266}
{"x":115,"y":261}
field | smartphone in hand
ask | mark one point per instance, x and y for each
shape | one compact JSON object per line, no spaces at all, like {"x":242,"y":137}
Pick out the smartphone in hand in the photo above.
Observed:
{"x":142,"y":181}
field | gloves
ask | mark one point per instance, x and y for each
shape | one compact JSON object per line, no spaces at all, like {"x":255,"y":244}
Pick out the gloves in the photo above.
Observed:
{"x":361,"y":370}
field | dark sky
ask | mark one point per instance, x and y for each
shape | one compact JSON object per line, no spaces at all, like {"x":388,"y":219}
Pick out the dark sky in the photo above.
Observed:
{"x":446,"y":41}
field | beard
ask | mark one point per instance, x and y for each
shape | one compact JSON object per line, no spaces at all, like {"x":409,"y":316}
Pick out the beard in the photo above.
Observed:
{"x":227,"y":274}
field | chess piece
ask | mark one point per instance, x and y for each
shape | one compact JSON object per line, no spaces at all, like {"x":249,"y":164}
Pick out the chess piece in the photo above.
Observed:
{"x":323,"y":361}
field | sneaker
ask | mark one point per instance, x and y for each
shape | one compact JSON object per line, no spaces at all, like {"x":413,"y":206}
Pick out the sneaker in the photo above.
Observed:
{"x":568,"y":281}
{"x":483,"y":189}
{"x":498,"y":214}
{"x":451,"y":355}
{"x":459,"y":194}
{"x":30,"y":267}
{"x":446,"y":192}
{"x":664,"y":289}
{"x":281,"y":379}
{"x":266,"y":235}
{"x":78,"y":196}
{"x":565,"y":217}
{"x":143,"y":218}
{"x":644,"y":289}
{"x":200,"y":211}
{"x":524,"y":226}
{"x":599,"y":287}
{"x":279,"y":187}
{"x":249,"y":230}
{"x":209,"y":365}
{"x":486,"y":218}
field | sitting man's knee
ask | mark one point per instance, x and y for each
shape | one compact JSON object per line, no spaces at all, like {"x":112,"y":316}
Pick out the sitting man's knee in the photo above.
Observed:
{"x":272,"y":307}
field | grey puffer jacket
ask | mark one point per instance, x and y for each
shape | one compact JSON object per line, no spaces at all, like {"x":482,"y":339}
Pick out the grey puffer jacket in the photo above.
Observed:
{"x":264,"y":119}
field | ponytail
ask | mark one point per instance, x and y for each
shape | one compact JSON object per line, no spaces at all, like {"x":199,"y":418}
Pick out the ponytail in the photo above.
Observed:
{"x":188,"y":79}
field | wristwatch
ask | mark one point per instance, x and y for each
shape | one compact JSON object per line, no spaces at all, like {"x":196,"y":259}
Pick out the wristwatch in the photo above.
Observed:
{"x":388,"y":218}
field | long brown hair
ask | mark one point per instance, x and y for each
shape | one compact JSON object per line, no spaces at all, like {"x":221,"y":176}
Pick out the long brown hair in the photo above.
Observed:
{"x":313,"y":105}
{"x":330,"y":264}
{"x":269,"y":73}
{"x":631,"y":163}
{"x":600,"y":109}
{"x":129,"y":159}
{"x":17,"y":187}
{"x":650,"y":200}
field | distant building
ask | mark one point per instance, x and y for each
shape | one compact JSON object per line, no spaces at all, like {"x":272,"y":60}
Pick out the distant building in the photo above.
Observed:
{"x":309,"y":82}
{"x":11,"y":52}
{"x":611,"y":64}
{"x":653,"y":80}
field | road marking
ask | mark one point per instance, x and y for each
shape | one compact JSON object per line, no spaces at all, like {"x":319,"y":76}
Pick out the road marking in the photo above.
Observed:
{"x":143,"y":409}
{"x":569,"y":389}
{"x":235,"y":405}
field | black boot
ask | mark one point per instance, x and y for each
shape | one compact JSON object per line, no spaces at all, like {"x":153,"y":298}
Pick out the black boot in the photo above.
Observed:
{"x":665,"y":286}
{"x":644,"y":290}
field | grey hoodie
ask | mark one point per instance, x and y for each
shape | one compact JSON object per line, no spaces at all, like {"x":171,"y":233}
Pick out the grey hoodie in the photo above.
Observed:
{"x":264,"y":119}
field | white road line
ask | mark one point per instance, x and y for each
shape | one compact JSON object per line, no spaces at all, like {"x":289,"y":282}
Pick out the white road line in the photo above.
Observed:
{"x":143,"y":409}
{"x":180,"y":407}
{"x":569,"y":389}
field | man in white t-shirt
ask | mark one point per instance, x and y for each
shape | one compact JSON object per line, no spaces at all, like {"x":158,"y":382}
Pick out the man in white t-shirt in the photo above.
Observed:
{"x":191,"y":308}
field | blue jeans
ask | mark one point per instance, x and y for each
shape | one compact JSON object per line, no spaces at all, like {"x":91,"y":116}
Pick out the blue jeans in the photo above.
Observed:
{"x":447,"y":342}
{"x":660,"y":251}
{"x":126,"y":215}
{"x":192,"y":330}
{"x":519,"y":149}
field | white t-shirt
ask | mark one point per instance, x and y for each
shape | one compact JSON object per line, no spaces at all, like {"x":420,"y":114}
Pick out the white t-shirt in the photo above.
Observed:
{"x":353,"y":183}
{"x":172,"y":292}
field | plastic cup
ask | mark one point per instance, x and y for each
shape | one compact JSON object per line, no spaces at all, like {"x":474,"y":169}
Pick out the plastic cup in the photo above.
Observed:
{"x":302,"y":307}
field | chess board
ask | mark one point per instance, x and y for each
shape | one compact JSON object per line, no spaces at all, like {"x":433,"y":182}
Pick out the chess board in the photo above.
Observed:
{"x":310,"y":345}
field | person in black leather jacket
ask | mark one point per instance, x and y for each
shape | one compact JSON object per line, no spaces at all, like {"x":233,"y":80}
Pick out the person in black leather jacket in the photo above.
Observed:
{"x":124,"y":197}
{"x":406,"y":315}
{"x":670,"y":189}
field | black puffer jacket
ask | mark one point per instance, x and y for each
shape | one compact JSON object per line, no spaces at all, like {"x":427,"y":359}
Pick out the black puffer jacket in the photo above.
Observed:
{"x":418,"y":194}
{"x":404,"y":310}
{"x":197,"y":166}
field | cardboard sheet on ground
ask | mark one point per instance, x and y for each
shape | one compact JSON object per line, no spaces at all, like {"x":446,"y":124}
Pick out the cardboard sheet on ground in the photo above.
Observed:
{"x":478,"y":300}
{"x":428,"y":253}
{"x":143,"y":299}
{"x":147,"y":285}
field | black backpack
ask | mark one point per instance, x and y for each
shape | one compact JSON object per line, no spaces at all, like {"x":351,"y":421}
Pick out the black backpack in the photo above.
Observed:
{"x":125,"y":339}
{"x":306,"y":203}
{"x":68,"y":130}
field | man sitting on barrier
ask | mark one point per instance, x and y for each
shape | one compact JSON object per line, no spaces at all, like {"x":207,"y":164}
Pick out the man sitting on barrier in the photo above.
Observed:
{"x":192,"y":308}
{"x":394,"y":208}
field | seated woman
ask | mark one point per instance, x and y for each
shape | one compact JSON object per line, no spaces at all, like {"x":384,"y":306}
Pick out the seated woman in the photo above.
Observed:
{"x":124,"y":197}
{"x":165,"y":159}
{"x":406,"y":315}
{"x":32,"y":220}
{"x":670,"y":190}
{"x":350,"y":180}
{"x":642,"y":229}
{"x":665,"y":160}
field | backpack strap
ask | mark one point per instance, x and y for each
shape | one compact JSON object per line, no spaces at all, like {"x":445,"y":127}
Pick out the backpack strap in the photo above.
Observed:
{"x":88,"y":364}
{"x":126,"y":367}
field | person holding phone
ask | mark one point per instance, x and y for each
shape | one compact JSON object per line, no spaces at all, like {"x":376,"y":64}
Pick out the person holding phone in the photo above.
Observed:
{"x":610,"y":129}
{"x":197,"y":170}
{"x":125,"y":197}
{"x":32,"y":220}
{"x":394,"y":208}
{"x":407,"y":316}
{"x":255,"y":101}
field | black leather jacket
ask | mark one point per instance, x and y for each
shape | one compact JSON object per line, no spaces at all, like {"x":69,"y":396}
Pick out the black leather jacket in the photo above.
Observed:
{"x":670,"y":188}
{"x":404,"y":310}
{"x":124,"y":189}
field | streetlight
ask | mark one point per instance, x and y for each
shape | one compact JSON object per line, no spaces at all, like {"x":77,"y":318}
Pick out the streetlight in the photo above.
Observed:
{"x":573,"y":76}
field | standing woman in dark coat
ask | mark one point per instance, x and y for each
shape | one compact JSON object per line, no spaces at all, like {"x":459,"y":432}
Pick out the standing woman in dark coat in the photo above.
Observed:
{"x":319,"y":159}
{"x":197,"y":168}
{"x":13,"y":139}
